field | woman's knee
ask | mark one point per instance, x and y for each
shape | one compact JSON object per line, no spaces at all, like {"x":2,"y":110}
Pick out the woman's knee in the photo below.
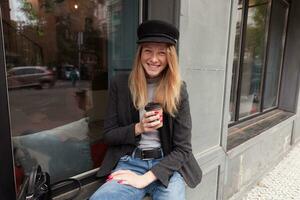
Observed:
{"x":174,"y":191}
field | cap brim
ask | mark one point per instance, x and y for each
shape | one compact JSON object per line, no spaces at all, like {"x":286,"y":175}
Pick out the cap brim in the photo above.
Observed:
{"x":156,"y":39}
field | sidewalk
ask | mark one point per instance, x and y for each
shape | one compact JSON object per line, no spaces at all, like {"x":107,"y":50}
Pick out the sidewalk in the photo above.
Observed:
{"x":282,"y":183}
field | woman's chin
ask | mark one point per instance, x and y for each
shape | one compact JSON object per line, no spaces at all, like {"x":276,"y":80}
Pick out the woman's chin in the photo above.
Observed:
{"x":152,"y":75}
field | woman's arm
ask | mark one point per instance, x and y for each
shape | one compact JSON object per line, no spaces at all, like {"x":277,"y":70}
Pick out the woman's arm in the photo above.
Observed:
{"x":114,"y":133}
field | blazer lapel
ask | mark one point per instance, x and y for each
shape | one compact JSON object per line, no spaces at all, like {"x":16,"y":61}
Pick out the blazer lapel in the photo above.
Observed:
{"x":165,"y":134}
{"x":135,"y":114}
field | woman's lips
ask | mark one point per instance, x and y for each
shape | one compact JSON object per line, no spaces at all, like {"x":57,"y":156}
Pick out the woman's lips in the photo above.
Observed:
{"x":154,"y":67}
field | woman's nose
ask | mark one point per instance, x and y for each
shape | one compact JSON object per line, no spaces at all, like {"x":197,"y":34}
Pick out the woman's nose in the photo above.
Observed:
{"x":154,"y":58}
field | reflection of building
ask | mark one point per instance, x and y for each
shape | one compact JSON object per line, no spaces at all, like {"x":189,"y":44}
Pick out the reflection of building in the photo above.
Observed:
{"x":55,"y":32}
{"x":5,"y":9}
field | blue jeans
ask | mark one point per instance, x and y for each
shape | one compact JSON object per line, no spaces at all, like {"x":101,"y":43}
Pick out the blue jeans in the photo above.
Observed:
{"x":112,"y":190}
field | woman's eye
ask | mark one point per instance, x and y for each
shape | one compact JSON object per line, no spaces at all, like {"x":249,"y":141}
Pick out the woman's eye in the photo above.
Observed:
{"x":162,"y":53}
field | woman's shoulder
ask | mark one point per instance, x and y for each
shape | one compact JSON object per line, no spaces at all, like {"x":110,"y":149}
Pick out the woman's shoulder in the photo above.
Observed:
{"x":183,"y":89}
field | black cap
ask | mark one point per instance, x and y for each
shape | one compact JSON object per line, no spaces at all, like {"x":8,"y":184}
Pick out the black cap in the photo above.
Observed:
{"x":157,"y":31}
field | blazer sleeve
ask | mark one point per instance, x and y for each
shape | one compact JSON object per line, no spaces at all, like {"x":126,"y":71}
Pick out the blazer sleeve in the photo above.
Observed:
{"x":182,"y":148}
{"x":113,"y":132}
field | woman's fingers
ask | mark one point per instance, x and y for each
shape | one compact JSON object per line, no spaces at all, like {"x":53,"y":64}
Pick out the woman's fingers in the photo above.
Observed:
{"x":148,"y":114}
{"x":151,"y":118}
{"x":154,"y":123}
{"x":151,"y":121}
{"x":150,"y":125}
{"x":122,"y":176}
{"x":129,"y":178}
{"x":119,"y":172}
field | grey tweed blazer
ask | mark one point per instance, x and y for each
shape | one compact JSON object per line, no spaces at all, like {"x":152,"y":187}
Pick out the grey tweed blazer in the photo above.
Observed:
{"x":175,"y":135}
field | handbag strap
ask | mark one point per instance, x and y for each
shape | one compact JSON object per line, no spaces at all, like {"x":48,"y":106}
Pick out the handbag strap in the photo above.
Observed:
{"x":32,"y":180}
{"x":32,"y":183}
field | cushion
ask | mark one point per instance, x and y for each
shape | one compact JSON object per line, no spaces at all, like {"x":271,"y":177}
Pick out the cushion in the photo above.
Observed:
{"x":63,"y":151}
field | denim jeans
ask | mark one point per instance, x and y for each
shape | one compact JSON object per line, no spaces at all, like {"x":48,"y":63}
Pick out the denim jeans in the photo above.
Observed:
{"x":112,"y":190}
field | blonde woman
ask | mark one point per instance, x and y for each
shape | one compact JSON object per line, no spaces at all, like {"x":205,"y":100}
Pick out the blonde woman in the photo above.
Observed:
{"x":149,"y":151}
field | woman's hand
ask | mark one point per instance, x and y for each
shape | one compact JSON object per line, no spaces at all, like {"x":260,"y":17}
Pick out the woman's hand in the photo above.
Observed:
{"x":151,"y":121}
{"x":128,"y":177}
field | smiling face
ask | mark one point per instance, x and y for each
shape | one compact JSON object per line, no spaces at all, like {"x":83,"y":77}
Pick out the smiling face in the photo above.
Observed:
{"x":154,"y":58}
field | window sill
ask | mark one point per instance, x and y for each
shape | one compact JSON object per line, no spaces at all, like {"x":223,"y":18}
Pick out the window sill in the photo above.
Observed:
{"x":89,"y":182}
{"x":244,"y":131}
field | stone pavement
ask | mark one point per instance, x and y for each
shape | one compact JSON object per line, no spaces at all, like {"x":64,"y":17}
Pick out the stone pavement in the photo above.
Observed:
{"x":282,"y":183}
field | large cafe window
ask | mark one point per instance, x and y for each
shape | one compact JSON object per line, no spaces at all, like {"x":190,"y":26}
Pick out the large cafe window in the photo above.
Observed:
{"x":60,"y":56}
{"x":258,"y":57}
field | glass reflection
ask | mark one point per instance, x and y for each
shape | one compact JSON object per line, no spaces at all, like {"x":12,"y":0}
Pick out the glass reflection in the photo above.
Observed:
{"x":257,"y":2}
{"x":275,"y":53}
{"x":59,"y":57}
{"x":234,"y":77}
{"x":253,"y":60}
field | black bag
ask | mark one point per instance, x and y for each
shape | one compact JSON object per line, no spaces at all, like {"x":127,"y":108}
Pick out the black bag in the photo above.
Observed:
{"x":39,"y":185}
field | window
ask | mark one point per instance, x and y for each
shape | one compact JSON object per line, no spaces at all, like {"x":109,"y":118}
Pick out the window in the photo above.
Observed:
{"x":59,"y":59}
{"x":258,"y":56}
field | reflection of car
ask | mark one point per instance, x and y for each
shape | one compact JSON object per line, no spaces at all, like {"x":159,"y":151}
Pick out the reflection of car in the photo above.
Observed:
{"x":26,"y":76}
{"x":66,"y":71}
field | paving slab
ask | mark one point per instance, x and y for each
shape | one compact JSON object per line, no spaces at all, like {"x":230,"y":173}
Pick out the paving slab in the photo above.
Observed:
{"x":282,"y":183}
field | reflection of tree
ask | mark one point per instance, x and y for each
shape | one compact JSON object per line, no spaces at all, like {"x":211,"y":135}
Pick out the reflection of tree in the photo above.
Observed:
{"x":49,"y":5}
{"x":91,"y":35}
{"x":33,"y":20}
{"x":68,"y":23}
{"x":255,"y":44}
{"x":45,"y":32}
{"x":27,"y":9}
{"x":256,"y":31}
{"x":66,"y":41}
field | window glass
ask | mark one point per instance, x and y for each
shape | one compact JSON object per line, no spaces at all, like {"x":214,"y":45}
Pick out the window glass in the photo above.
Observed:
{"x":256,"y":78}
{"x":240,"y":4}
{"x":275,"y":52}
{"x":233,"y":93}
{"x":256,"y":2}
{"x":253,"y":60}
{"x":57,"y":115}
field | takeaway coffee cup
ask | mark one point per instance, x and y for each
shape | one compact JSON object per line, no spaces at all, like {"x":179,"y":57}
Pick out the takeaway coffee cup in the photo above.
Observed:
{"x":152,"y":106}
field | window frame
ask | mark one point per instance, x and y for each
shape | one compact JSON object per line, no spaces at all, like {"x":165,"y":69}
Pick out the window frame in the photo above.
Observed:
{"x":239,"y":70}
{"x":7,"y":176}
{"x":7,"y":180}
{"x":7,"y":171}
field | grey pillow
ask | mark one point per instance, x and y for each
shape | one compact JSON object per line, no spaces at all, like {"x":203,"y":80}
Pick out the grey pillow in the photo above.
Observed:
{"x":63,"y":151}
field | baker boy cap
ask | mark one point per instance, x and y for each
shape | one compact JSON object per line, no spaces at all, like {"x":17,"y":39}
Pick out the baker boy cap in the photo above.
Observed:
{"x":157,"y":31}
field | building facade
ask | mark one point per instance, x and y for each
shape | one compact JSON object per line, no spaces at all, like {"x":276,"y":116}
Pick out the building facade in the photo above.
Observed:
{"x":239,"y":59}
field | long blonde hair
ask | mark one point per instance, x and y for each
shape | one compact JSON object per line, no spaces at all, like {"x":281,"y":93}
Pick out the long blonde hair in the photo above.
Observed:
{"x":167,"y":92}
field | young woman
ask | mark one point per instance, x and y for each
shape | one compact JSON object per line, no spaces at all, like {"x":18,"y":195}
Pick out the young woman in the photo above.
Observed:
{"x":149,"y":151}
